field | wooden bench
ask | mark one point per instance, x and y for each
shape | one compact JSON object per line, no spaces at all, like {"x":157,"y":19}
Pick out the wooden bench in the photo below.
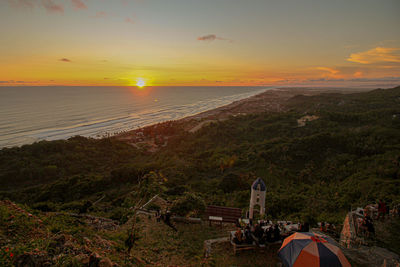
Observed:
{"x":222,"y":214}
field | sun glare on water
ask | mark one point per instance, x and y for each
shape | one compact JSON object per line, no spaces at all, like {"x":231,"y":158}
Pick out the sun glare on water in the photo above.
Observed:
{"x":140,"y":83}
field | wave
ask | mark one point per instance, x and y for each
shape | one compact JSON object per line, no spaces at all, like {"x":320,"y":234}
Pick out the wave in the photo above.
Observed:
{"x":122,"y":121}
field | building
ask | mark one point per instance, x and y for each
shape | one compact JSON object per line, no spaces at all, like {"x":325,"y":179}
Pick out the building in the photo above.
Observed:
{"x":257,"y":198}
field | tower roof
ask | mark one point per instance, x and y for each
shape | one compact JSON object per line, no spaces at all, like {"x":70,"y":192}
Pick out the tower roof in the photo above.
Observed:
{"x":257,"y":182}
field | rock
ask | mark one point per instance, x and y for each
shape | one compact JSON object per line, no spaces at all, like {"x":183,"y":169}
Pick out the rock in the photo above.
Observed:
{"x":94,"y":260}
{"x":372,"y":256}
{"x":106,"y":262}
{"x":32,"y":260}
{"x":83,"y":258}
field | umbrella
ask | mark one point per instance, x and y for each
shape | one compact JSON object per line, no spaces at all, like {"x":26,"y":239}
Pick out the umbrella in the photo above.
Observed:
{"x":311,"y":249}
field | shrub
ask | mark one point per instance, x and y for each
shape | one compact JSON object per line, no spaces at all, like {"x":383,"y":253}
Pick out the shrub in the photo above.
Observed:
{"x":120,"y":214}
{"x":188,"y":204}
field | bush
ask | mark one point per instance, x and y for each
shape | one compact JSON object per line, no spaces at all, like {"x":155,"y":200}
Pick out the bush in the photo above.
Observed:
{"x":189,"y":204}
{"x":45,"y":206}
{"x":232,"y":182}
{"x":120,"y":214}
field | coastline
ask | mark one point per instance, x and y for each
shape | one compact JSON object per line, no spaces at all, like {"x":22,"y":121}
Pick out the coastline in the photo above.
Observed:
{"x":269,"y":100}
{"x":123,"y":110}
{"x":155,"y":136}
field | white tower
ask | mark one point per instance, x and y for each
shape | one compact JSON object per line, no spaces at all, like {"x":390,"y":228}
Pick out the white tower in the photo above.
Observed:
{"x":258,"y":190}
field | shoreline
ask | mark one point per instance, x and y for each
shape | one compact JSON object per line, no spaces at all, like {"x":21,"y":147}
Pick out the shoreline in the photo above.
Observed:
{"x":134,"y":113}
{"x":155,"y":136}
{"x":270,"y":100}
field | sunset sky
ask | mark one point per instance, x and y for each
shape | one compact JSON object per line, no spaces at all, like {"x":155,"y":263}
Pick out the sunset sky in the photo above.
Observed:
{"x":200,"y":42}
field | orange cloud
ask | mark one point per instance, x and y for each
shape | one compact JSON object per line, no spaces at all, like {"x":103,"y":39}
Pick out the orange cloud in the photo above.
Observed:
{"x":376,"y":55}
{"x":330,"y":70}
{"x":52,"y":7}
{"x":358,"y":74}
{"x":78,"y":4}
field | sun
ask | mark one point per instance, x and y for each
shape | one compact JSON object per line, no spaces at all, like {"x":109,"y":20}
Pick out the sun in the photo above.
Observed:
{"x":140,"y":83}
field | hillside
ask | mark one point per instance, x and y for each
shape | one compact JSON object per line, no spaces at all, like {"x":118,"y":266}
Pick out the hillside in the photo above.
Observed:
{"x":346,"y":155}
{"x":49,"y":239}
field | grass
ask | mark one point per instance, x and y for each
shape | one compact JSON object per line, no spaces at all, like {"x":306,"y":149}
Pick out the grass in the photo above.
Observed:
{"x":158,"y":245}
{"x":387,"y":233}
{"x":161,"y":245}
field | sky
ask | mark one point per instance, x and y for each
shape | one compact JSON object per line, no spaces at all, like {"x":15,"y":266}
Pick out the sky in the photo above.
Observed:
{"x":200,"y":42}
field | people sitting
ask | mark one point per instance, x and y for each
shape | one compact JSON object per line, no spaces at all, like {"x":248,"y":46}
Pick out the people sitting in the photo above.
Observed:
{"x":276,"y":233}
{"x":237,"y":223}
{"x":369,"y":226}
{"x":323,"y":227}
{"x":247,"y":235}
{"x":331,"y":230}
{"x":238,"y":238}
{"x":258,"y":231}
{"x":304,"y":227}
{"x":268,"y":235}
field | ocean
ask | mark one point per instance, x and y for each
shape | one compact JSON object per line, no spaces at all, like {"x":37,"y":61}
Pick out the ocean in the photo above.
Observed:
{"x":30,"y":114}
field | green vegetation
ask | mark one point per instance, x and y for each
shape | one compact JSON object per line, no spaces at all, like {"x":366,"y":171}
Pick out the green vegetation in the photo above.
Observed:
{"x":350,"y":155}
{"x":188,"y":205}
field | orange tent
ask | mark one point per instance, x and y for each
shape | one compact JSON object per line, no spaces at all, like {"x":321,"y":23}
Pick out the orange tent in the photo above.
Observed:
{"x":311,"y":249}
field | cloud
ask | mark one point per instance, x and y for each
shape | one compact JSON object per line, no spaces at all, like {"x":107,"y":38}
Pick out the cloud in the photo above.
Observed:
{"x":376,"y":55}
{"x":361,"y":80}
{"x":129,"y":20}
{"x":358,"y":74}
{"x":330,"y":70}
{"x":212,"y":37}
{"x":22,"y":3}
{"x":101,"y":14}
{"x":14,"y":82}
{"x":78,"y":4}
{"x":382,"y":79}
{"x":64,"y":60}
{"x":52,"y":7}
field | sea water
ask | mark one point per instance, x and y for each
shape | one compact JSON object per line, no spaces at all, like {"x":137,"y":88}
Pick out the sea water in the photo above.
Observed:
{"x":30,"y":114}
